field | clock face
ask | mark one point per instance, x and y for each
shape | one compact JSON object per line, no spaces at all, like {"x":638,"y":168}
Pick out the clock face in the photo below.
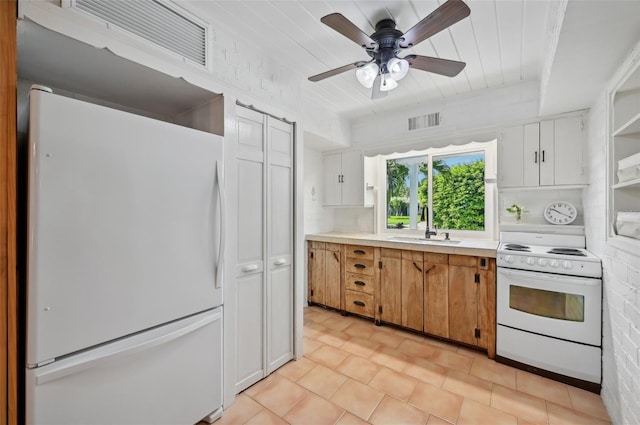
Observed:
{"x":560,"y":212}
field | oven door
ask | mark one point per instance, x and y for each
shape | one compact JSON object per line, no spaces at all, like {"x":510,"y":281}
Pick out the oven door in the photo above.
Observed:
{"x":566,"y":307}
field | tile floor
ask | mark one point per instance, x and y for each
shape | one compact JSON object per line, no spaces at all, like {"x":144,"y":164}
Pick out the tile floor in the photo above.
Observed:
{"x":354,"y":372}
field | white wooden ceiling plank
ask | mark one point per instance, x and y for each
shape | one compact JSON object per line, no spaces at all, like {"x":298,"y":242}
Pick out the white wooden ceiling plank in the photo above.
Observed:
{"x":467,"y":47}
{"x":483,"y":21}
{"x":509,"y":18}
{"x":533,"y":36}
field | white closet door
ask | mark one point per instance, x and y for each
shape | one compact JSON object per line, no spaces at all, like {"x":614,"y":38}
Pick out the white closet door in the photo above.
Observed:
{"x":280,"y":245}
{"x":249,"y":271}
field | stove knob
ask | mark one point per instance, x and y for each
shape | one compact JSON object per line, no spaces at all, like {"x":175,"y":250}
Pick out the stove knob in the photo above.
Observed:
{"x":542,"y":262}
{"x":554,"y":263}
{"x":508,"y":259}
{"x":567,"y":265}
{"x":531,"y":261}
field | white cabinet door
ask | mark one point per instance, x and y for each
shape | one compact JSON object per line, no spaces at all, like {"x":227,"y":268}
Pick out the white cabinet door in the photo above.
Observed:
{"x":352,"y":178}
{"x":531,"y":157}
{"x":511,"y":157}
{"x":547,"y":154}
{"x":568,"y":151}
{"x":332,"y":168}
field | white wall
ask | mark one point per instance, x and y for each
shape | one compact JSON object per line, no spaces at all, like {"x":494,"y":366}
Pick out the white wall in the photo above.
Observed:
{"x":317,"y":219}
{"x":621,"y":285}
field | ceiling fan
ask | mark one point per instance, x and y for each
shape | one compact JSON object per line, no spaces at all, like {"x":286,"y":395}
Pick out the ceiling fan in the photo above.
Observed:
{"x":385,"y":68}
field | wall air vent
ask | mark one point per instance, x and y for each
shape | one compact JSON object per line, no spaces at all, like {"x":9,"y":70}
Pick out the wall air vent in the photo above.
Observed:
{"x":158,"y":21}
{"x":424,"y":121}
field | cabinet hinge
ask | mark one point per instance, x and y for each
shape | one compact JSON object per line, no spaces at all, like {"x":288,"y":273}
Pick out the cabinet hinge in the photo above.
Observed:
{"x":380,"y":265}
{"x":312,"y":292}
{"x":477,"y":278}
{"x":477,"y":333}
{"x":380,"y":309}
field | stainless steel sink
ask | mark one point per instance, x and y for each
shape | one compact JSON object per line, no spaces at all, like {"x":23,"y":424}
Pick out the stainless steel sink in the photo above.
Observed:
{"x":425,"y":241}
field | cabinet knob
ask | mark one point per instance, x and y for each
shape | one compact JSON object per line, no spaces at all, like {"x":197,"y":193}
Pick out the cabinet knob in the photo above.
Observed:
{"x":359,"y":266}
{"x":359,"y":303}
{"x":359,"y":283}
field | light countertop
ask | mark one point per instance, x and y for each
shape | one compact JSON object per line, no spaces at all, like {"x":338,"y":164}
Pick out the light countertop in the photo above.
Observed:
{"x":467,"y":246}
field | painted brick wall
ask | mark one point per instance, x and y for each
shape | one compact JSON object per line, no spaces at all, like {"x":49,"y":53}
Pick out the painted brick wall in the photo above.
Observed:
{"x":621,"y":283}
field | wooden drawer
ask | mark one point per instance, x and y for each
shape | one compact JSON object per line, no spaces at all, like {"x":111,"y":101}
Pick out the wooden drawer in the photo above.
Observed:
{"x":359,"y":282}
{"x":357,"y":251}
{"x":360,"y":266}
{"x":463,"y":260}
{"x":358,"y":303}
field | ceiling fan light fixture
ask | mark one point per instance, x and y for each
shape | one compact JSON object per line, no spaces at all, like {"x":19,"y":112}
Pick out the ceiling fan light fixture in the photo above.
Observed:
{"x":367,"y":74}
{"x":387,"y":83}
{"x":398,"y":68}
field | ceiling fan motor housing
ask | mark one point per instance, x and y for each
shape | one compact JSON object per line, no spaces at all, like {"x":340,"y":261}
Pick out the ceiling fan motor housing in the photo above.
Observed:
{"x":386,"y":37}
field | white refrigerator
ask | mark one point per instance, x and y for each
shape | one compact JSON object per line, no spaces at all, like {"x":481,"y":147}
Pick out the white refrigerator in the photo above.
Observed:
{"x":124,"y":278}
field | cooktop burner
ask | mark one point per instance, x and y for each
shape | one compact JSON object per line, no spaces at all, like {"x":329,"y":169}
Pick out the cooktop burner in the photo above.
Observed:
{"x":567,"y":251}
{"x":516,"y":247}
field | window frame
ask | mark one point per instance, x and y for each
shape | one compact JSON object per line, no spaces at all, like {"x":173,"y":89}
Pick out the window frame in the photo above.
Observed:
{"x":490,"y":201}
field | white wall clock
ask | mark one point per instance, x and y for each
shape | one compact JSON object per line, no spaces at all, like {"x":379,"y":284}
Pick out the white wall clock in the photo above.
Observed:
{"x":560,"y":212}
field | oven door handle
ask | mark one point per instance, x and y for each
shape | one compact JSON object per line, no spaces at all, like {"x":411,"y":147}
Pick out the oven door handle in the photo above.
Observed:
{"x":585,"y":281}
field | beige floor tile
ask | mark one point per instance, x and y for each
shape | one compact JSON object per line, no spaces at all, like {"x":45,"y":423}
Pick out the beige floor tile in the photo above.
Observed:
{"x":474,"y":413}
{"x":497,"y":373}
{"x":314,"y":409}
{"x":358,"y":368}
{"x":468,"y":386}
{"x":318,"y":314}
{"x":418,"y":349}
{"x":322,"y":381}
{"x":360,"y":347}
{"x":357,"y":398}
{"x":361,"y":330}
{"x":265,"y":417}
{"x":436,"y":401}
{"x":338,"y":323}
{"x":389,"y":339}
{"x":351,"y":419}
{"x":392,"y":411}
{"x":434,"y":420}
{"x":260,"y":385}
{"x":310,"y":345}
{"x":588,"y":403}
{"x":328,"y":356}
{"x":547,"y":389}
{"x":386,"y":356}
{"x":427,"y":371}
{"x":452,"y":360}
{"x":295,"y":369}
{"x":525,"y":406}
{"x":281,"y":395}
{"x":240,"y":412}
{"x":449,"y":346}
{"x":394,"y":383}
{"x":470,"y":352}
{"x":524,"y":422}
{"x":559,"y":415}
{"x":410,"y":335}
{"x":333,"y":338}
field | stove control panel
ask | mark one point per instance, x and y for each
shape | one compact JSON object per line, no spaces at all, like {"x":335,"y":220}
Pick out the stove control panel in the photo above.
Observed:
{"x":550,"y":265}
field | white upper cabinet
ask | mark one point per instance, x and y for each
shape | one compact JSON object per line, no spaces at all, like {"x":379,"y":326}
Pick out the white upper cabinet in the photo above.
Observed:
{"x":546,"y":153}
{"x":344,"y":179}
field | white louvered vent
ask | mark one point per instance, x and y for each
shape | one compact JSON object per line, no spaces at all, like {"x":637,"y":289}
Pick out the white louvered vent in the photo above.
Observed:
{"x":424,"y":121}
{"x":157,"y":21}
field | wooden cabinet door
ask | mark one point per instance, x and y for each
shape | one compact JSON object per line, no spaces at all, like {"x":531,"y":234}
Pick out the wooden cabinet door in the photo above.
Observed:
{"x":463,"y":305}
{"x":332,"y":279}
{"x":436,"y":299}
{"x":391,"y":289}
{"x":412,"y":293}
{"x":317,"y":276}
{"x":487,"y":309}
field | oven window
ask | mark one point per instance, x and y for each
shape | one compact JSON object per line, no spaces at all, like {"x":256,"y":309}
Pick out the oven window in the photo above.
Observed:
{"x":555,"y":305}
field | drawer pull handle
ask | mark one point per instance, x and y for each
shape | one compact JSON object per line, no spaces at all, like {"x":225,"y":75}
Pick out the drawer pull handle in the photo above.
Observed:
{"x":416,"y":266}
{"x":360,"y":266}
{"x":335,"y":255}
{"x":359,"y":251}
{"x":359,"y":303}
{"x":429,"y":269}
{"x":359,"y":283}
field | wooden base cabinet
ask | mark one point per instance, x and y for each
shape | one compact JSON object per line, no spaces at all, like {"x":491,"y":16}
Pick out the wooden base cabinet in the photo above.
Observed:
{"x":472,"y":301}
{"x":412,"y":302}
{"x":324,"y":279}
{"x":436,"y":294}
{"x":359,"y":277}
{"x":390,"y":274}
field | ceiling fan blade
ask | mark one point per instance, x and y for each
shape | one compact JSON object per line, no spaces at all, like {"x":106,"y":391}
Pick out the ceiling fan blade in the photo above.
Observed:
{"x":376,"y":93}
{"x":446,"y":15}
{"x":436,"y":65}
{"x":335,"y":71}
{"x":347,"y":28}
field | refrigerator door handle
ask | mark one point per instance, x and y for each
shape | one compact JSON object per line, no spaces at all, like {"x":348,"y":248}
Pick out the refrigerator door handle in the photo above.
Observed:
{"x":220,"y":179}
{"x":106,"y":356}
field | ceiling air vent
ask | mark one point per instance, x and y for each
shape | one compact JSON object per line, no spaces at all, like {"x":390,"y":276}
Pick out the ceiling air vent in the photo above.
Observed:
{"x":424,"y":121}
{"x":157,"y":21}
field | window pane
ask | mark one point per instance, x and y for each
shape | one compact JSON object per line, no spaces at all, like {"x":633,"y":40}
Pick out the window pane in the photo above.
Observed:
{"x":405,"y":177}
{"x":556,"y":305}
{"x":458,"y":191}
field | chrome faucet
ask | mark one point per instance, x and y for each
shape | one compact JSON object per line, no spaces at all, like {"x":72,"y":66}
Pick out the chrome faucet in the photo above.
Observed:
{"x":428,"y":233}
